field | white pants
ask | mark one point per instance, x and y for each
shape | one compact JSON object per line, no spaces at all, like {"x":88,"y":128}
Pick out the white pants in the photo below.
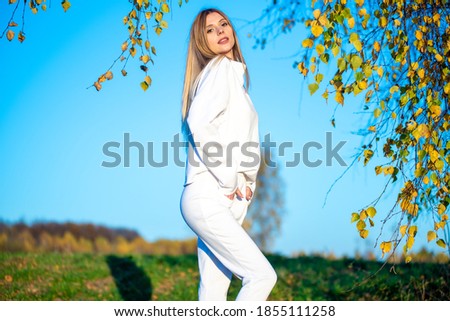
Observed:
{"x":224,"y":248}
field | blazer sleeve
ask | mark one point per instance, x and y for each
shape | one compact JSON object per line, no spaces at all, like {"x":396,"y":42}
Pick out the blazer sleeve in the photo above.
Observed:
{"x":207,"y":113}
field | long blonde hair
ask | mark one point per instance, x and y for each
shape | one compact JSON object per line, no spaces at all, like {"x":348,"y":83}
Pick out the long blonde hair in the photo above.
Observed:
{"x":198,"y":56}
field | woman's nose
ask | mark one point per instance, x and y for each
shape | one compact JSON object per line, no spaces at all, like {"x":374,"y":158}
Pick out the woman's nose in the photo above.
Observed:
{"x":220,"y":31}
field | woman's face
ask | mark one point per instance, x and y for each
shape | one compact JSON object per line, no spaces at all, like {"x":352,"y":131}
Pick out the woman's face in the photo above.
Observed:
{"x":219,"y":35}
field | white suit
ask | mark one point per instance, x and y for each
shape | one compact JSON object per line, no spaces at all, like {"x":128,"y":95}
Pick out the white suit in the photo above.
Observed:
{"x":222,"y":116}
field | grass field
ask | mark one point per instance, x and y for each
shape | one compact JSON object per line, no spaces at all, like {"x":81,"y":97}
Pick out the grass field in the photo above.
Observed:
{"x":69,"y":277}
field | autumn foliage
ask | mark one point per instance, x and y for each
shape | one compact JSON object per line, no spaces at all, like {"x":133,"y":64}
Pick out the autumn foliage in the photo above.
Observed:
{"x":85,"y":238}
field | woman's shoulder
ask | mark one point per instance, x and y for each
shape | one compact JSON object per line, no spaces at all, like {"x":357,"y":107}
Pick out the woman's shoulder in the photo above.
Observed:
{"x":218,"y":67}
{"x":217,"y":64}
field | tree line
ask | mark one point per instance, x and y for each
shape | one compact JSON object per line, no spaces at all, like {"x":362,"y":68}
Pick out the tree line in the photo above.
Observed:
{"x":85,"y":238}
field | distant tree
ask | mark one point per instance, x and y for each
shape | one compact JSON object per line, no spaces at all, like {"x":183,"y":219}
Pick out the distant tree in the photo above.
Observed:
{"x":122,"y":246}
{"x":102,"y":245}
{"x":266,"y":210}
{"x":46,"y":242}
{"x":396,"y":54}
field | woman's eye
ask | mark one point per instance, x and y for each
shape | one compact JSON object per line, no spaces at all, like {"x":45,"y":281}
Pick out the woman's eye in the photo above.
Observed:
{"x":209,"y":30}
{"x":224,"y":24}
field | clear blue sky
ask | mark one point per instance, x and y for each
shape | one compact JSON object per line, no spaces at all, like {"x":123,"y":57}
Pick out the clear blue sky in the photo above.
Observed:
{"x":52,"y":129}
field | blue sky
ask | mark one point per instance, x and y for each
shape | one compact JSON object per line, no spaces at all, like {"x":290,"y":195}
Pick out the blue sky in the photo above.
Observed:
{"x":52,"y":129}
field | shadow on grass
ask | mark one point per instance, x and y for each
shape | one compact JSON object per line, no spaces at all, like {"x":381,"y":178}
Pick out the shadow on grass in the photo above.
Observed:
{"x":131,"y":280}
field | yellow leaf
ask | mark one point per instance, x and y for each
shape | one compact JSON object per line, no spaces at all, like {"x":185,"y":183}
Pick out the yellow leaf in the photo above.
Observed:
{"x":12,"y":24}
{"x":158,"y":30}
{"x":421,"y":131}
{"x":447,"y":88}
{"x":376,"y":46}
{"x":109,"y":75}
{"x":403,"y":230}
{"x":377,"y":112}
{"x":339,"y":98}
{"x":335,"y":51}
{"x":21,"y":36}
{"x":124,"y":72}
{"x":158,"y":16}
{"x":145,"y":59}
{"x":408,"y":259}
{"x":393,"y":89}
{"x":102,"y":78}
{"x":357,"y":44}
{"x":364,"y":233}
{"x":34,"y":10}
{"x":419,"y":35}
{"x":426,"y":180}
{"x":97,"y":85}
{"x":435,"y":111}
{"x":378,"y":170}
{"x":361,"y":225}
{"x":307,"y":43}
{"x":316,"y":14}
{"x":438,"y":57}
{"x":164,"y":24}
{"x":10,"y":35}
{"x":410,"y":242}
{"x":133,"y":51}
{"x":148,"y":15}
{"x":441,"y":243}
{"x":372,"y":129}
{"x":165,"y":8}
{"x":124,"y":46}
{"x":412,"y":230}
{"x":323,"y":20}
{"x":421,"y":73}
{"x":316,"y":30}
{"x":371,"y":211}
{"x":385,"y":247}
{"x":320,"y":49}
{"x":147,"y":44}
{"x":66,"y":5}
{"x":363,"y":215}
{"x":380,"y":71}
{"x":148,"y":80}
{"x":441,"y":209}
{"x":431,"y":235}
{"x":144,"y":86}
{"x":362,"y":84}
{"x":351,"y":22}
{"x":360,"y":3}
{"x":383,"y":22}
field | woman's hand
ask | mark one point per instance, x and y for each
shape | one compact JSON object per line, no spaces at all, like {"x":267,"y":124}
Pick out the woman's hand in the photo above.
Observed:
{"x":248,"y":194}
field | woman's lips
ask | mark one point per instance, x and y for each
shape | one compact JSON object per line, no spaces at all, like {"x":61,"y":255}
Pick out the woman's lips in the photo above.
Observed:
{"x":223,"y":41}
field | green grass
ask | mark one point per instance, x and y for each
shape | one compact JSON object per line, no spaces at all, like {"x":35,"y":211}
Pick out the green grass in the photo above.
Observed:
{"x":55,"y":276}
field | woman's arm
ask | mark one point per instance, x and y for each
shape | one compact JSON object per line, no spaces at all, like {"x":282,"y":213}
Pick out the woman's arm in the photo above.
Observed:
{"x":206,"y":114}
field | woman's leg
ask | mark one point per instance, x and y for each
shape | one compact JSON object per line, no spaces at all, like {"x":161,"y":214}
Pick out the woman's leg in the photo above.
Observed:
{"x":215,"y":278}
{"x":209,"y":215}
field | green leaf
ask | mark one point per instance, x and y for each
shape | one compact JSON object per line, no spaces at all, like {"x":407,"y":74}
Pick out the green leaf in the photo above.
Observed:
{"x":355,"y":217}
{"x":319,"y":78}
{"x":356,"y":62}
{"x":342,"y":64}
{"x":441,"y":243}
{"x":313,"y":88}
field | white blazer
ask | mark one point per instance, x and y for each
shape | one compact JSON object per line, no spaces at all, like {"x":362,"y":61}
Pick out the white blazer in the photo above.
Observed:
{"x":223,"y":125}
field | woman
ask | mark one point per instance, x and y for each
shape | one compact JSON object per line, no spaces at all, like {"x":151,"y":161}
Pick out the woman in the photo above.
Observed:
{"x":221,"y":126}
